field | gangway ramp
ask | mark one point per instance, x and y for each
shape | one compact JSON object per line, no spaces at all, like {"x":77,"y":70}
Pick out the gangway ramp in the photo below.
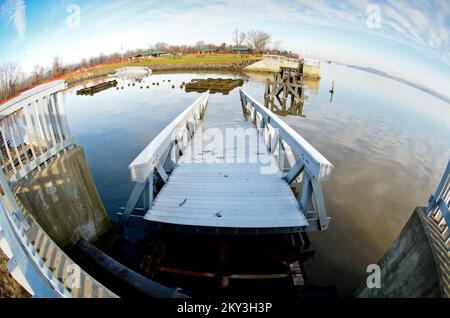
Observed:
{"x":230,"y":175}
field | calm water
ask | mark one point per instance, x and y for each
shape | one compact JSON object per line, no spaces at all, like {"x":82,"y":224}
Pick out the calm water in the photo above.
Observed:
{"x":389,"y":143}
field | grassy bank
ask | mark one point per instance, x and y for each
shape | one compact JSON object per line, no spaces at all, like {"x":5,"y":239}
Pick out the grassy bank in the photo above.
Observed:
{"x":181,"y":63}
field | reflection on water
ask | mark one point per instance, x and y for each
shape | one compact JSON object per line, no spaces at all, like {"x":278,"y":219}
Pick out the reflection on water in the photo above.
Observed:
{"x":389,"y":144}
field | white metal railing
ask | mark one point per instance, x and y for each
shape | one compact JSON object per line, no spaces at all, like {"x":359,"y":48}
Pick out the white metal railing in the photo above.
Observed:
{"x":296,"y":157}
{"x":279,"y":58}
{"x":33,"y":129}
{"x":24,"y":263}
{"x":312,"y":62}
{"x":161,"y":155}
{"x":438,"y":206}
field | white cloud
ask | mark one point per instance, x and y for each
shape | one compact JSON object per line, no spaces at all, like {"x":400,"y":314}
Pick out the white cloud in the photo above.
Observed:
{"x":14,"y":11}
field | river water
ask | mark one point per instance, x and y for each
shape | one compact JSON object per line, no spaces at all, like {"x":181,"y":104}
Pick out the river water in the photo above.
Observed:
{"x":389,"y":144}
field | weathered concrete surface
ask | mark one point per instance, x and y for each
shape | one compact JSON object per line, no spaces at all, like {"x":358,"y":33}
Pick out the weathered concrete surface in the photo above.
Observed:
{"x":415,"y":265}
{"x":310,"y":68}
{"x":269,"y":66}
{"x":64,"y":201}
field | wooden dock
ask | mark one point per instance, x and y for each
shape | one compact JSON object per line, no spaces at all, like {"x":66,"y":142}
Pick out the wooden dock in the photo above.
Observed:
{"x":193,"y":177}
{"x":213,"y":85}
{"x":97,"y":88}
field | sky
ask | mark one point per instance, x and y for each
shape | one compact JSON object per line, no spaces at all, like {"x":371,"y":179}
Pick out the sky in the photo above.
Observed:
{"x":409,"y":39}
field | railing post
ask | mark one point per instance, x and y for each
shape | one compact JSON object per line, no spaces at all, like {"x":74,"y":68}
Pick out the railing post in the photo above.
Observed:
{"x":305,"y":196}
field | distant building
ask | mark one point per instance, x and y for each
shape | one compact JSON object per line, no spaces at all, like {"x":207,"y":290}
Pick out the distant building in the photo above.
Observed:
{"x":146,"y":55}
{"x":207,"y":51}
{"x":241,"y":50}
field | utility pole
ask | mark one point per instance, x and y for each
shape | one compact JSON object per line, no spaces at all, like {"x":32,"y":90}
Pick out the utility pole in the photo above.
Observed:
{"x":121,"y":52}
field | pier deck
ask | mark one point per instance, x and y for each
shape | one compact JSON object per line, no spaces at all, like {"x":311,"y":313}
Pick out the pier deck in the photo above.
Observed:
{"x":216,"y":185}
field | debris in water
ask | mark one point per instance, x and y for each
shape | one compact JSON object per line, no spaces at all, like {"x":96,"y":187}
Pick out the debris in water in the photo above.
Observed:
{"x":184,"y":201}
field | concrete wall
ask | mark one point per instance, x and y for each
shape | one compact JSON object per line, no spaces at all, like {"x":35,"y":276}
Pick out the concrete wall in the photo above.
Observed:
{"x":311,"y":71}
{"x":64,"y":201}
{"x":409,"y":268}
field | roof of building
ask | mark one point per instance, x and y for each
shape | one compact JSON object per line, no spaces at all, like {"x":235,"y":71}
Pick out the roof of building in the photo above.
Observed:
{"x":205,"y":49}
{"x":240,"y":49}
{"x":150,"y":53}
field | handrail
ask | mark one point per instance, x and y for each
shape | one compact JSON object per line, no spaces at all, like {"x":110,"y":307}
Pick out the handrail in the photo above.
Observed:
{"x":160,"y":154}
{"x":143,"y":165}
{"x":34,"y":275}
{"x":17,"y":102}
{"x":28,"y":265}
{"x":33,"y":129}
{"x":438,"y":206}
{"x":306,"y":164}
{"x":315,"y":162}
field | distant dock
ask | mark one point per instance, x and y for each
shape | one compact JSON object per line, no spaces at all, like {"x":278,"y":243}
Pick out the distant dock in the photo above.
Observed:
{"x":274,"y":63}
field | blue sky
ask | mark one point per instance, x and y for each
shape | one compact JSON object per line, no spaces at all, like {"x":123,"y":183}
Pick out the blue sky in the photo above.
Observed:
{"x":411,"y":40}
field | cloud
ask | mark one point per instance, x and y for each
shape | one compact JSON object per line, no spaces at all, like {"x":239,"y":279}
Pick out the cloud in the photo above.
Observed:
{"x":14,"y":11}
{"x":421,"y":25}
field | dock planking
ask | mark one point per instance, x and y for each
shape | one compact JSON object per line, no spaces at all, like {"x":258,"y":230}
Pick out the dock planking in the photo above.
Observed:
{"x":213,"y":85}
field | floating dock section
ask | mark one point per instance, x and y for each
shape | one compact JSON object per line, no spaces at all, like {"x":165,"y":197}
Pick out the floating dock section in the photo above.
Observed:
{"x":97,"y":88}
{"x":213,"y":85}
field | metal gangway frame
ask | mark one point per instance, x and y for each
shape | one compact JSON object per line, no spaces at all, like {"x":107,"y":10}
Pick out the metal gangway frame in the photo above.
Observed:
{"x":298,"y":159}
{"x":152,"y":167}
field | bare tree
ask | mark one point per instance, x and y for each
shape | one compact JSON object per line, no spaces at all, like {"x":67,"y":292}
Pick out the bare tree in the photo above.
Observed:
{"x":276,"y":46}
{"x":242,"y":37}
{"x":258,"y":40}
{"x":200,"y":45}
{"x":10,"y":76}
{"x":57,"y":66}
{"x":37,"y":75}
{"x":238,"y":38}
{"x":235,"y":37}
{"x":161,"y":46}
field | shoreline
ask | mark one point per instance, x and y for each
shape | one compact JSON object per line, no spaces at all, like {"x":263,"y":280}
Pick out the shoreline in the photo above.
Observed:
{"x":163,"y":68}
